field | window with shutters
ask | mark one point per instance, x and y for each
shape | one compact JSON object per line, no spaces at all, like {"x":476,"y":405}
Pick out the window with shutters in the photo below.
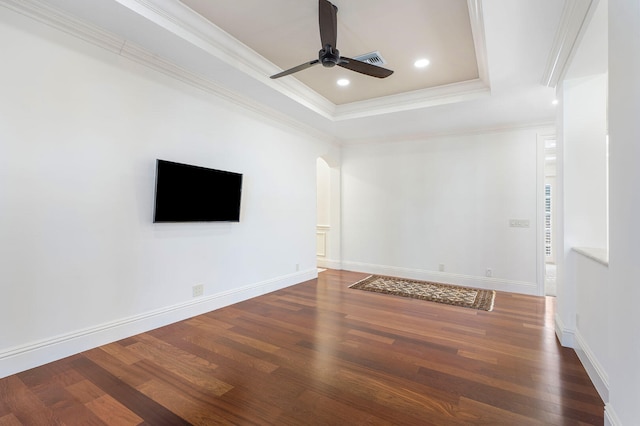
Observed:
{"x":547,"y":221}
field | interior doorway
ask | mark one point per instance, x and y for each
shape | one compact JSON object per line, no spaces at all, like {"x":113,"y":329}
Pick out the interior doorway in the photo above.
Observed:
{"x":328,"y":250}
{"x":323,"y":214}
{"x":550,"y":170}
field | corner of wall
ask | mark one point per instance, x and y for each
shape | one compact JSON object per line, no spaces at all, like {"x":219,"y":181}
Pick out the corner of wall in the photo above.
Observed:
{"x":329,"y":263}
{"x":565,"y":335}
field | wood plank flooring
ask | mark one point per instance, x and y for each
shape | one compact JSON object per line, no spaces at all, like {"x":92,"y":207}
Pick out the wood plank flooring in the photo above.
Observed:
{"x":319,"y":353}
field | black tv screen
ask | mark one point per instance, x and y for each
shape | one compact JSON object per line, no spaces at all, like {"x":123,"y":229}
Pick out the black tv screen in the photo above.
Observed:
{"x":186,"y":193}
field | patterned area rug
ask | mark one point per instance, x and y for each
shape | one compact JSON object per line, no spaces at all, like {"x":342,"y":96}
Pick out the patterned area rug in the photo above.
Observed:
{"x":434,"y":292}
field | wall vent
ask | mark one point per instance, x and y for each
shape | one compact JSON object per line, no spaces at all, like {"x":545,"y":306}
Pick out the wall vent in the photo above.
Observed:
{"x":373,"y":58}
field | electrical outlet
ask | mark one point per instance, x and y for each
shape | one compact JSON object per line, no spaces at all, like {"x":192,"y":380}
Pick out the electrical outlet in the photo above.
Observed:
{"x":441,"y":267}
{"x":197,"y":290}
{"x":488,"y":272}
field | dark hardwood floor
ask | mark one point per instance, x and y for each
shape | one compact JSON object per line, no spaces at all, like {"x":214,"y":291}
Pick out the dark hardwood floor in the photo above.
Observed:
{"x":321,"y":353}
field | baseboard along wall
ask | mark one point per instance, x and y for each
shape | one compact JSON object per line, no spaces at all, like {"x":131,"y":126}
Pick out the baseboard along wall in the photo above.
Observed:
{"x":17,"y":359}
{"x":487,"y":283}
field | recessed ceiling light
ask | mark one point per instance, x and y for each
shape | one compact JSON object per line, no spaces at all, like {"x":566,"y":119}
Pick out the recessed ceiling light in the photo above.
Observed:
{"x":343,"y":82}
{"x":421,"y":63}
{"x":554,"y":102}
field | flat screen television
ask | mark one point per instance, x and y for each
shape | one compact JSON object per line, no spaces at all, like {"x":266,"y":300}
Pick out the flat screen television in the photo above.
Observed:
{"x":187,"y":193}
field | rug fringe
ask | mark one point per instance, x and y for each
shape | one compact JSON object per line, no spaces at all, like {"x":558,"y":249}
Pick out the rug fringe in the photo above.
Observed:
{"x":493,"y":301}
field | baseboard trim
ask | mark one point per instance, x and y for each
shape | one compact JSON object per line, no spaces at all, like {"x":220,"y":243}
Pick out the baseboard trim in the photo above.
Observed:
{"x":597,"y":374}
{"x":566,"y":336}
{"x":610,"y":416}
{"x":21,"y":358}
{"x":487,"y":283}
{"x":329,"y":263}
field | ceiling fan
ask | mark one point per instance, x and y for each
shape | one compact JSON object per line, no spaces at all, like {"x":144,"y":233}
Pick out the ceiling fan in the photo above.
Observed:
{"x":329,"y":56}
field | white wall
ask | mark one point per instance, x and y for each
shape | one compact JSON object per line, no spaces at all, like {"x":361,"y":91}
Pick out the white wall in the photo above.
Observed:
{"x":410,"y":206}
{"x":585,"y":161}
{"x":592,"y":331}
{"x":582,"y":146}
{"x":624,"y":202}
{"x":81,"y":262}
{"x":583,"y":281}
{"x":600,"y":304}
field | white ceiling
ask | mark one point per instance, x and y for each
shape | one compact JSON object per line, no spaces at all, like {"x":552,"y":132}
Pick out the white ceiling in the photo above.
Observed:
{"x":488,"y":58}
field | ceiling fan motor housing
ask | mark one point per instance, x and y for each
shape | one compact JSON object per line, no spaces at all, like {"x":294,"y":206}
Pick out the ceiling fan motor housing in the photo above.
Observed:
{"x":329,"y":57}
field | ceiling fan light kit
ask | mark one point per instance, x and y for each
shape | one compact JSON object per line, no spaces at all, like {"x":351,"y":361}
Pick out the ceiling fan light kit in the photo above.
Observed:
{"x":329,"y":55}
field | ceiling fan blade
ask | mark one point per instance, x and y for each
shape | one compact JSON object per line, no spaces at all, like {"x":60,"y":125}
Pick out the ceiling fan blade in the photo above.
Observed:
{"x":328,"y":23}
{"x":363,"y":67}
{"x":296,"y":69}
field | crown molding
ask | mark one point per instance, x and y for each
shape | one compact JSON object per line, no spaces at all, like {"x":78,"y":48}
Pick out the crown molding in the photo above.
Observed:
{"x":150,"y":60}
{"x":435,"y":96}
{"x":43,"y":13}
{"x":182,"y":21}
{"x":54,"y":18}
{"x":178,"y":19}
{"x":476,"y":19}
{"x":474,"y":131}
{"x":573,"y":23}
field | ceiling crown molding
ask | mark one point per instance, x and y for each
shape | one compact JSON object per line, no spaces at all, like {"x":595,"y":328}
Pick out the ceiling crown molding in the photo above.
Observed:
{"x":52,"y":17}
{"x":575,"y":16}
{"x":477,"y":29}
{"x":434,"y":96}
{"x":45,"y":14}
{"x":182,"y":22}
{"x":177,"y":18}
